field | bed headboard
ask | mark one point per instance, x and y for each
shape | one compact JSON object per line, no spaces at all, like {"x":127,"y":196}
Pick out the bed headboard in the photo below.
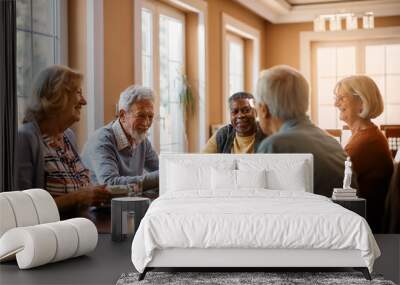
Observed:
{"x":279,"y":162}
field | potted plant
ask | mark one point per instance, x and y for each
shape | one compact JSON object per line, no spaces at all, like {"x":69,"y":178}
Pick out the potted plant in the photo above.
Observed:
{"x":186,"y":98}
{"x":188,"y":104}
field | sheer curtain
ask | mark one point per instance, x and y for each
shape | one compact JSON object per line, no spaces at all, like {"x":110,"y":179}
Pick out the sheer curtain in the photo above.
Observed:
{"x":8,"y":98}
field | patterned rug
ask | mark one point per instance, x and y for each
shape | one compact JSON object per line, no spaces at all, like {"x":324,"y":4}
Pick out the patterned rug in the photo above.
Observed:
{"x":230,"y":278}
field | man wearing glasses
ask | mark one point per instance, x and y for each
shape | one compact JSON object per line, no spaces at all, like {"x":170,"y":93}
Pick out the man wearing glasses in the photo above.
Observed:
{"x":243,"y":134}
{"x":120,"y":153}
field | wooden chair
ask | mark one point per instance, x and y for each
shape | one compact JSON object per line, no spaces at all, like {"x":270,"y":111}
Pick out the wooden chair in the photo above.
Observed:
{"x":392,"y":133}
{"x":385,"y":127}
{"x":336,"y":133}
{"x":392,"y":210}
{"x":214,"y":128}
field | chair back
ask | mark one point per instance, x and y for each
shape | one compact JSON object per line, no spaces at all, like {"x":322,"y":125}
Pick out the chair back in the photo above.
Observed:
{"x":392,"y":204}
{"x":336,"y":133}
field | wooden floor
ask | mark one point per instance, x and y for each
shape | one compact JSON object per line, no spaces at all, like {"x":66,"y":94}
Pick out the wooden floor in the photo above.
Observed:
{"x":111,"y":259}
{"x":102,"y":266}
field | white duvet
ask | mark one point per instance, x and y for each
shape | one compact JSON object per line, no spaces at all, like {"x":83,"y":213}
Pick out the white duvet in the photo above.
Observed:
{"x":253,"y":218}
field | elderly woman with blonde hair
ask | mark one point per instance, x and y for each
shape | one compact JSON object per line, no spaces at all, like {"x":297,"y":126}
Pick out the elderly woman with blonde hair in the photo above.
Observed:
{"x":282,"y":102}
{"x":47,"y":155}
{"x":358,"y":100}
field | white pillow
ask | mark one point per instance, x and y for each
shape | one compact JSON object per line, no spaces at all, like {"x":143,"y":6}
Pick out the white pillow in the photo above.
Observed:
{"x":237,"y":179}
{"x":193,"y":175}
{"x":280,"y":174}
{"x":184,"y":177}
{"x":223,"y":179}
{"x":251,"y":178}
{"x":291,"y":179}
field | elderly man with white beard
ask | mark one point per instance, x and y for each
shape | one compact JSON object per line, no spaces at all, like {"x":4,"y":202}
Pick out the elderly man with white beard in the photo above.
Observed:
{"x":120,"y":153}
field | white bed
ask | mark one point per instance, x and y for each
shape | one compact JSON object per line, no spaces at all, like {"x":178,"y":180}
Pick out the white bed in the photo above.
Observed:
{"x":247,"y":211}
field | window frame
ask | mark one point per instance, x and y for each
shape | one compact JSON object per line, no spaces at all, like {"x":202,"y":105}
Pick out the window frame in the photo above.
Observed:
{"x":307,"y":39}
{"x":360,"y":68}
{"x":59,"y":38}
{"x":314,"y":100}
{"x":157,"y":9}
{"x":251,"y":36}
{"x":198,"y":71}
{"x":233,"y":38}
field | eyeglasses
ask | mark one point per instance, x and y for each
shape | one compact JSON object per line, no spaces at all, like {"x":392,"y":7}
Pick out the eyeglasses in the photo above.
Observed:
{"x":340,"y":98}
{"x":75,"y":91}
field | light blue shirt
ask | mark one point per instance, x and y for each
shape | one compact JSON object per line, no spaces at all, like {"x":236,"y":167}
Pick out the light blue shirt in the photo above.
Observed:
{"x":113,"y":160}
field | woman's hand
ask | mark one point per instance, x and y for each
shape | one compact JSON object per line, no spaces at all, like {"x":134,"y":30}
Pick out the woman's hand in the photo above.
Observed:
{"x":94,"y":196}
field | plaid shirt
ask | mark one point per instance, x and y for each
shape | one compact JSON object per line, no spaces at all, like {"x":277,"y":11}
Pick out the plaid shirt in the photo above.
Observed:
{"x":64,"y":170}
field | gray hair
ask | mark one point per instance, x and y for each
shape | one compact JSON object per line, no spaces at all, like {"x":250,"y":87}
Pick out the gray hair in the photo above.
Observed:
{"x":51,"y":92}
{"x":239,"y":95}
{"x":133,"y":94}
{"x":284,"y":90}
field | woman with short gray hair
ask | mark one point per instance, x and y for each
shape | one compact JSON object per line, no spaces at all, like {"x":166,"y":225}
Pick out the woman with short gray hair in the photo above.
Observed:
{"x":282,"y":102}
{"x":47,"y":155}
{"x":359,"y":100}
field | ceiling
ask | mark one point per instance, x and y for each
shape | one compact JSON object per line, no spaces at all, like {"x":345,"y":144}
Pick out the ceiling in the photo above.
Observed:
{"x":294,"y":11}
{"x":308,"y":2}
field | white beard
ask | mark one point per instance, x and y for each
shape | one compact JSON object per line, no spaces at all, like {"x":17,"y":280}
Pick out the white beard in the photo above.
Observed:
{"x":138,"y":137}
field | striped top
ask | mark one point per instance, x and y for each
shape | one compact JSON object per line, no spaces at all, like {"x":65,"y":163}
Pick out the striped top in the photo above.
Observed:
{"x":64,"y":170}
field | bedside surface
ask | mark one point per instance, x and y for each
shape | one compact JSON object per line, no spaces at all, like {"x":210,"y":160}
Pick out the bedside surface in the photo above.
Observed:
{"x":357,"y":205}
{"x":350,"y":199}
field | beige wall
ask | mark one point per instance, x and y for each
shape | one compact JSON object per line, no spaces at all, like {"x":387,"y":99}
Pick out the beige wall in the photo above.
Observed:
{"x":279,"y":45}
{"x":215,"y":10}
{"x":283,"y":40}
{"x":77,"y":55}
{"x":118,"y":52}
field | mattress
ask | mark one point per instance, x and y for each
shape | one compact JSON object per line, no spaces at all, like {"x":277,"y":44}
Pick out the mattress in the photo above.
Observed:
{"x":250,"y":219}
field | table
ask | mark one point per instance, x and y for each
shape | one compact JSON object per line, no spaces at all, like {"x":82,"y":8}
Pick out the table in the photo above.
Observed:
{"x":126,"y":215}
{"x":101,"y":216}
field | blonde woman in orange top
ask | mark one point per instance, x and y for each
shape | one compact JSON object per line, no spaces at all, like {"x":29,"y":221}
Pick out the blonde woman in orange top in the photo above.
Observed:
{"x":359,"y":100}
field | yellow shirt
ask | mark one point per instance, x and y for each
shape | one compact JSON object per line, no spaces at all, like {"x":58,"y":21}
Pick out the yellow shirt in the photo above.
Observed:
{"x":240,"y":144}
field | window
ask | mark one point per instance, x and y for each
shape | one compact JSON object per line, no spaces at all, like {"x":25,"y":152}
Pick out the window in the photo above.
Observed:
{"x":38,"y":43}
{"x":171,"y":71}
{"x":163,"y":65}
{"x":240,"y":59}
{"x":147,"y":48}
{"x":147,"y":55}
{"x":333,"y":63}
{"x":379,"y":59}
{"x":235,"y":66}
{"x":382,"y":64}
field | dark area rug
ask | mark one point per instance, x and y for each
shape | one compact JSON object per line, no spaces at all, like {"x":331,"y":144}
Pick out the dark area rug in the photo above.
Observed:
{"x":228,"y":278}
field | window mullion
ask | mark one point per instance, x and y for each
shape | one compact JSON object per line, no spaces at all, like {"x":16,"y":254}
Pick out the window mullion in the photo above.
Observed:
{"x":31,"y":51}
